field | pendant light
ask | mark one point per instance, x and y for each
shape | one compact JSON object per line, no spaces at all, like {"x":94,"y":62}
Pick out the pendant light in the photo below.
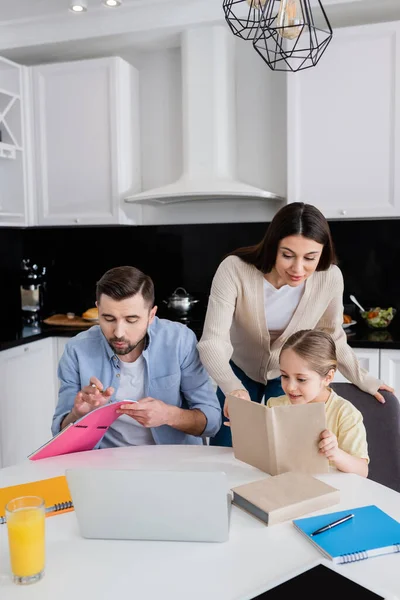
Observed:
{"x":291,"y":35}
{"x":243,"y":16}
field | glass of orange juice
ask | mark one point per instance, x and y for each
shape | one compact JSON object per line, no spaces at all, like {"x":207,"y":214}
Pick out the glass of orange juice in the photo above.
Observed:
{"x":26,"y":538}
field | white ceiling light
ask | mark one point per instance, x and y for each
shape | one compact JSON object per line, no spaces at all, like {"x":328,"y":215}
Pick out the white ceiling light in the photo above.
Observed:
{"x":78,"y":6}
{"x":112,"y":3}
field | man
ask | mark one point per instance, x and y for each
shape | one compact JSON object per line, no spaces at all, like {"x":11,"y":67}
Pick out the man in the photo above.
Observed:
{"x":134,"y":355}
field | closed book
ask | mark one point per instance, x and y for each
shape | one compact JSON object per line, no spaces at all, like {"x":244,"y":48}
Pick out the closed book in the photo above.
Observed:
{"x":370,"y":532}
{"x":283,"y":497}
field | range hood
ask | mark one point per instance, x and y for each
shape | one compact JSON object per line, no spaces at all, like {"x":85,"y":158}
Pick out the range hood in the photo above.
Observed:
{"x":209,"y":124}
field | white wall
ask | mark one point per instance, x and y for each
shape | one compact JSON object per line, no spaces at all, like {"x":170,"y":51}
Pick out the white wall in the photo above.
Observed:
{"x":161,"y":126}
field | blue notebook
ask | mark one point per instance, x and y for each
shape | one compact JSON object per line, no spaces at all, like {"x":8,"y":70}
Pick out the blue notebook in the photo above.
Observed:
{"x":370,"y":532}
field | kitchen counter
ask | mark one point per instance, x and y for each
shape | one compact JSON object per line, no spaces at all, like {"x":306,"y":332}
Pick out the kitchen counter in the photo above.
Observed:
{"x":359,"y":336}
{"x":10,"y":338}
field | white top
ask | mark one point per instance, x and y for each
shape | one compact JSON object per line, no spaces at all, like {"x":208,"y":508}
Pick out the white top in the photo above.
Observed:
{"x":125,"y":431}
{"x":254,"y":556}
{"x":279,"y":306}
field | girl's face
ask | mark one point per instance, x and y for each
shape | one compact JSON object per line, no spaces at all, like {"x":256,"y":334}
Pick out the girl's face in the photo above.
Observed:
{"x":301,"y":384}
{"x":297,"y":259}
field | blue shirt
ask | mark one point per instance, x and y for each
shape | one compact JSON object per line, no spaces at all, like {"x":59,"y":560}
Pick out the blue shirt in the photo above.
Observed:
{"x":173,"y":374}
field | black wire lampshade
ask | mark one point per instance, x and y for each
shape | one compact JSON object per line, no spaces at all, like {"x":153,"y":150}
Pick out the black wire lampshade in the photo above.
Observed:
{"x":291,"y":35}
{"x":243,"y":16}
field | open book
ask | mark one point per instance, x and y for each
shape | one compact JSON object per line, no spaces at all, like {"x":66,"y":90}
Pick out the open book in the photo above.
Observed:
{"x":82,"y":435}
{"x":278,"y":439}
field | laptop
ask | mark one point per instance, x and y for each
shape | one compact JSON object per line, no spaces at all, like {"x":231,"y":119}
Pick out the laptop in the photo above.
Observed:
{"x":151,"y":505}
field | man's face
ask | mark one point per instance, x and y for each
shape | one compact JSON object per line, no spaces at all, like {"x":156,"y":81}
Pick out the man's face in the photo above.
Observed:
{"x":125,"y":322}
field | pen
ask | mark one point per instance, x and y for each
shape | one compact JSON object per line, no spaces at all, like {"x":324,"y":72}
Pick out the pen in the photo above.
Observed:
{"x":93,"y":385}
{"x":48,"y":509}
{"x":330,"y":525}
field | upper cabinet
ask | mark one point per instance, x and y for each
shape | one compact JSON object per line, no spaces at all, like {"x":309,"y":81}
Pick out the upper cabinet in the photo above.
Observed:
{"x":344,"y":126}
{"x":14,"y":143}
{"x":87,"y":150}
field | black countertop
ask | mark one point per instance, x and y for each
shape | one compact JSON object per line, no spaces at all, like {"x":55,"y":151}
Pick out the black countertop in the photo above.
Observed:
{"x":359,"y":335}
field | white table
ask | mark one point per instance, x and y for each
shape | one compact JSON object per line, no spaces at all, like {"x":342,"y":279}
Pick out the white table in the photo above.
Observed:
{"x":254,"y":556}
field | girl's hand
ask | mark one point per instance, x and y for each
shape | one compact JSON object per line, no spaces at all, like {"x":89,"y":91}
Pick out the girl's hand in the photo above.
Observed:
{"x":244,"y":394}
{"x":328,"y":446}
{"x":379,"y":396}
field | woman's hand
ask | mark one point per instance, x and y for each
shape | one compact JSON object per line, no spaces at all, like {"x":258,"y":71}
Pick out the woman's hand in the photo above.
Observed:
{"x":244,"y":394}
{"x":379,"y":396}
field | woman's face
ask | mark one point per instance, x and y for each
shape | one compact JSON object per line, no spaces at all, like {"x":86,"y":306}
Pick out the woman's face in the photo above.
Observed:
{"x":297,"y":259}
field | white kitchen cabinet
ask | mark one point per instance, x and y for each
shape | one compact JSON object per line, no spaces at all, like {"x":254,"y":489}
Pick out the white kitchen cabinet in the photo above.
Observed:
{"x":390,"y":369}
{"x":28,"y":399}
{"x":344,"y":126}
{"x":15,"y":146}
{"x":87,"y":140}
{"x":369,"y":359}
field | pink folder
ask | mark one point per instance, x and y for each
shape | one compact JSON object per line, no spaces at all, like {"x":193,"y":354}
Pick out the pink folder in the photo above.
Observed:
{"x":82,"y":435}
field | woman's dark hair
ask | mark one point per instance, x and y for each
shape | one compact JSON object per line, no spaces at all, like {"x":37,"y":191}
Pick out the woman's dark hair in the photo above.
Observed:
{"x":296,"y":218}
{"x":123,"y":282}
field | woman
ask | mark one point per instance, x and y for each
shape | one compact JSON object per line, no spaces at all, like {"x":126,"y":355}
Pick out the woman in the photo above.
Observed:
{"x":262,"y":294}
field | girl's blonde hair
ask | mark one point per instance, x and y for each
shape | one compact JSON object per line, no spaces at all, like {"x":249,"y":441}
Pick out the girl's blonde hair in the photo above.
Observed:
{"x":316,"y":348}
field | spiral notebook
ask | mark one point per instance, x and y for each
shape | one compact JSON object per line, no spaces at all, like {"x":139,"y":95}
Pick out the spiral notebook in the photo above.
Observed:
{"x":54,"y":491}
{"x":82,"y":435}
{"x":371,"y":532}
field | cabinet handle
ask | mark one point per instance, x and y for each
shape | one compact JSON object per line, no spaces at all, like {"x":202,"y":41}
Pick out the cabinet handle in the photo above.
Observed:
{"x":26,"y":349}
{"x":343,"y":212}
{"x":77,"y":220}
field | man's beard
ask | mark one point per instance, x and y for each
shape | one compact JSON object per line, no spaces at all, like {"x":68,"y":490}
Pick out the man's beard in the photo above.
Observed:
{"x":128,"y":349}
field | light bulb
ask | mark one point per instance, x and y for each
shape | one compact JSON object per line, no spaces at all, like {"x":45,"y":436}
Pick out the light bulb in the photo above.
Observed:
{"x":256,"y":4}
{"x":78,"y":6}
{"x":112,"y":3}
{"x":290,"y":19}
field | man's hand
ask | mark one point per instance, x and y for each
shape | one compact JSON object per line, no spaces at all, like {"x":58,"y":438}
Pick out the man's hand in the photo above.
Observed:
{"x":244,"y":394}
{"x":149,"y":412}
{"x":328,"y":446}
{"x":90,"y":397}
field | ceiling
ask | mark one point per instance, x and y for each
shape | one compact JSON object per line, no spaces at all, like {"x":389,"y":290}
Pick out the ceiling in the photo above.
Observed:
{"x":11,"y":10}
{"x":37,"y":31}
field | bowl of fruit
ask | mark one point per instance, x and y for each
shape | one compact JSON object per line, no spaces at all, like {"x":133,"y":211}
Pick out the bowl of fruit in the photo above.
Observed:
{"x":378,"y":318}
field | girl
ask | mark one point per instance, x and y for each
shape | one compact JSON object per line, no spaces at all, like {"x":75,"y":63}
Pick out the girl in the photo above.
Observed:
{"x":308,"y":364}
{"x":262,"y":294}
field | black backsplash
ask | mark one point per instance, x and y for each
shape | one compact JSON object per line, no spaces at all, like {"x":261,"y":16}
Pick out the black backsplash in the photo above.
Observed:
{"x":181,"y":255}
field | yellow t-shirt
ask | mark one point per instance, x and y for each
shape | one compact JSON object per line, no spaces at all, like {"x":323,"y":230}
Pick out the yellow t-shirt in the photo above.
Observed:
{"x":344,"y":420}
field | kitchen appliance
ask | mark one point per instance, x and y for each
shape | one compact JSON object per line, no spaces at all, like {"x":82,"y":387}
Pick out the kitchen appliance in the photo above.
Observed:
{"x":180,"y":301}
{"x":210,"y":143}
{"x":32,"y":288}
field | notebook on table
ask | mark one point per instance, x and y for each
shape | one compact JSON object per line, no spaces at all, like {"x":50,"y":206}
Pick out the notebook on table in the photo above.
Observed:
{"x":151,"y":505}
{"x":371,"y":532}
{"x":54,"y":491}
{"x":82,"y":435}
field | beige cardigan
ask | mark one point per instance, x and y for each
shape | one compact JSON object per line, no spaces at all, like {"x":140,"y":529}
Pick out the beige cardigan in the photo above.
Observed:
{"x":235,"y":326}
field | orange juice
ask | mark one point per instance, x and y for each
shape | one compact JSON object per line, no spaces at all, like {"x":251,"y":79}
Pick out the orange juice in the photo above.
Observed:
{"x":26,"y":539}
